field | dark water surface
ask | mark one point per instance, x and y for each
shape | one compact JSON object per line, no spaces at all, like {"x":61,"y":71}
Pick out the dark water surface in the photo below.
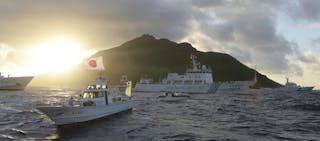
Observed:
{"x":263,"y":116}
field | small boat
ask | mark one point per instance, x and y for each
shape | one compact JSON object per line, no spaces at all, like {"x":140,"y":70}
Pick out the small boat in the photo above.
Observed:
{"x":173,"y":97}
{"x":97,"y":101}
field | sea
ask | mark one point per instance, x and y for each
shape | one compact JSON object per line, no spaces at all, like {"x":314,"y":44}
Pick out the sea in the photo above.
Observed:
{"x":256,"y":116}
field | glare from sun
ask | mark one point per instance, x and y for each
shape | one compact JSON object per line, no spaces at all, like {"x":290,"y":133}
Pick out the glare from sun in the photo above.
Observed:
{"x":57,"y":55}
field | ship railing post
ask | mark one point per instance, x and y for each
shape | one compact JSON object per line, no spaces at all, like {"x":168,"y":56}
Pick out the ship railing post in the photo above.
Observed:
{"x":106,"y":97}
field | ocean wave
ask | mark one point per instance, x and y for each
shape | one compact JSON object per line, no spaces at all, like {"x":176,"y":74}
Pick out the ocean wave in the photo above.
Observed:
{"x":269,"y":116}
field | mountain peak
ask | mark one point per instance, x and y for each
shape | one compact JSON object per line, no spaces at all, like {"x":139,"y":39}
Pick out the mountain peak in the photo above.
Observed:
{"x":147,"y":37}
{"x":148,"y":41}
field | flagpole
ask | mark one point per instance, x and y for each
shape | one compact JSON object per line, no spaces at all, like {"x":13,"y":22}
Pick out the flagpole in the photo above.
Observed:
{"x":100,"y":73}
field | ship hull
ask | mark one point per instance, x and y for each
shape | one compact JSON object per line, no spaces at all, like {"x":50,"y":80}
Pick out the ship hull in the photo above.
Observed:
{"x":15,"y":83}
{"x":236,"y":87}
{"x":150,"y":88}
{"x":305,"y":89}
{"x":192,"y":88}
{"x":295,"y":89}
{"x":72,"y":115}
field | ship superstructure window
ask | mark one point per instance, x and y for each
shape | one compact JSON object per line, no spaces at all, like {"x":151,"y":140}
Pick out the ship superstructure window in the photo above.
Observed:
{"x":86,"y":95}
{"x":188,"y":82}
{"x":178,"y":82}
{"x":198,"y":81}
{"x":94,"y":95}
{"x":91,"y":87}
{"x":90,"y":95}
{"x":116,"y":99}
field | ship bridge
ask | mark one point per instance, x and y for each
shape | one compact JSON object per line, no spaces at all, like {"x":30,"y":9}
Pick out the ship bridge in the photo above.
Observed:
{"x":193,"y":76}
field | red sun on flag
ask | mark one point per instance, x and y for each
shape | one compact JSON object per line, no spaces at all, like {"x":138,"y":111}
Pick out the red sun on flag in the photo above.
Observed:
{"x":93,"y":63}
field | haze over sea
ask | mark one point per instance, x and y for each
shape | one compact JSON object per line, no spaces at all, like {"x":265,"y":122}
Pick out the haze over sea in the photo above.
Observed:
{"x":263,"y":116}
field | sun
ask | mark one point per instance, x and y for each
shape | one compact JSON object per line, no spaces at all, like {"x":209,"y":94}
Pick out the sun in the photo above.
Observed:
{"x":57,"y":55}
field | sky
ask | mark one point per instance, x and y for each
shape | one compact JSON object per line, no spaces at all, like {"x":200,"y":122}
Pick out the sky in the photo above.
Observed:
{"x":280,"y":37}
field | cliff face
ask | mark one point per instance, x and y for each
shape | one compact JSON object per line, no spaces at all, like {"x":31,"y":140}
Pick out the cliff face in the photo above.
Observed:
{"x":147,"y":56}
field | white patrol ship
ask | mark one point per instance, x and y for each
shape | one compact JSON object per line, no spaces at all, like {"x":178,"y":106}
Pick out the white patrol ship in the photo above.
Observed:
{"x":196,"y":80}
{"x":14,"y":83}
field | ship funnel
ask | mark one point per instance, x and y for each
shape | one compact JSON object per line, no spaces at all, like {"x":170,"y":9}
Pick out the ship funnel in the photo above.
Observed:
{"x":204,"y":67}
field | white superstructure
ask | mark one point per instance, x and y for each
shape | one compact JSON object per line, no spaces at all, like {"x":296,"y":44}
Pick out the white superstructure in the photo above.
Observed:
{"x":14,"y":83}
{"x":97,"y":101}
{"x":195,"y":80}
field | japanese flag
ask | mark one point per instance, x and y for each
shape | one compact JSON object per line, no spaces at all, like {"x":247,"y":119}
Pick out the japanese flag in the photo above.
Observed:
{"x":95,"y":63}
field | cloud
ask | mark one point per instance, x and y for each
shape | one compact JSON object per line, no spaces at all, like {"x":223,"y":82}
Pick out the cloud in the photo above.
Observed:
{"x":308,"y":9}
{"x":244,"y":28}
{"x":249,"y":27}
{"x":316,"y":42}
{"x":307,"y":57}
{"x":207,"y":3}
{"x":5,"y":50}
{"x":98,"y":22}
